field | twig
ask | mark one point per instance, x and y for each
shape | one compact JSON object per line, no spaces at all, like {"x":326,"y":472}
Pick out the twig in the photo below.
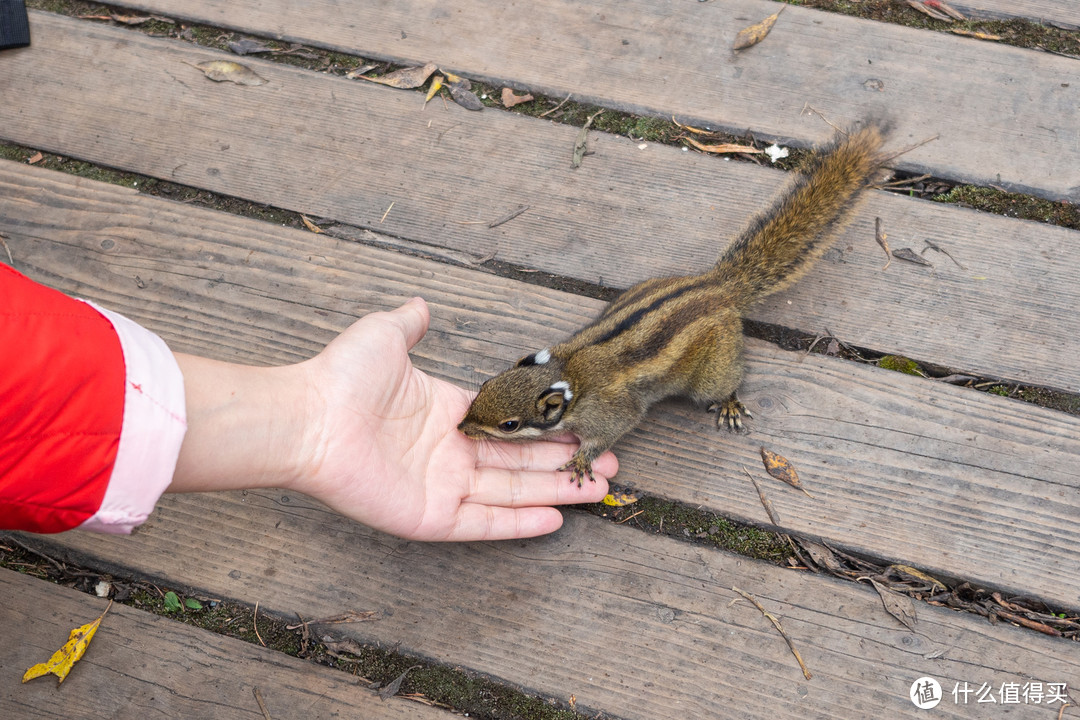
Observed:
{"x":817,"y":112}
{"x":765,"y":502}
{"x":387,"y":211}
{"x":906,"y":150}
{"x":899,"y":184}
{"x":779,"y":629}
{"x":262,"y":705}
{"x":11,"y":261}
{"x":41,"y":555}
{"x":934,"y":246}
{"x":545,"y":114}
{"x":882,"y":240}
{"x":255,"y":623}
{"x":508,"y":216}
{"x":630,"y":518}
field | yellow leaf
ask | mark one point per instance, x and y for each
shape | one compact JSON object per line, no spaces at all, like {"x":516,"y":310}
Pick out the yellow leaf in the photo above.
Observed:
{"x":61,"y":662}
{"x":755,"y":33}
{"x":453,"y":79}
{"x":436,"y":85}
{"x":310,"y":225}
{"x":227,"y":70}
{"x":722,"y":148}
{"x":618,"y":499}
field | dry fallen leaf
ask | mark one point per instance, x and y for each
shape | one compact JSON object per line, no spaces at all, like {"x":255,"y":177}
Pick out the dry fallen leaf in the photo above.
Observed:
{"x":911,"y":256}
{"x":405,"y":78}
{"x":465,"y":97}
{"x":310,"y":225}
{"x":697,"y":131}
{"x":722,"y":148}
{"x":35,"y":158}
{"x":934,"y":583}
{"x":247,"y":46}
{"x":754,"y":34}
{"x":64,"y":659}
{"x":781,"y":468}
{"x":436,"y":85}
{"x":899,"y":606}
{"x":975,"y":34}
{"x":227,"y":70}
{"x":509,"y":99}
{"x":937,"y":9}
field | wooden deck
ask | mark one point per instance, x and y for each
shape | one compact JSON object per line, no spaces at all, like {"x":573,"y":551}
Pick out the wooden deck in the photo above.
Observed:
{"x":964,"y":485}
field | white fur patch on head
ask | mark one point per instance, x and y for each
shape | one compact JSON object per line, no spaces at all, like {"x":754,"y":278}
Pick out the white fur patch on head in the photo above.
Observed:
{"x":564,"y":387}
{"x":542,"y":356}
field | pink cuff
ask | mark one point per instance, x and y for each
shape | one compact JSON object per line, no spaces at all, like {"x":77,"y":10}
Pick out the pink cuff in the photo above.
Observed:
{"x":155,"y":421}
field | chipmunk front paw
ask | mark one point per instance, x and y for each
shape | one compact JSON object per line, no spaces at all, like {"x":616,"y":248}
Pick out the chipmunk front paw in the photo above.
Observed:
{"x":581,"y":468}
{"x":729,"y":413}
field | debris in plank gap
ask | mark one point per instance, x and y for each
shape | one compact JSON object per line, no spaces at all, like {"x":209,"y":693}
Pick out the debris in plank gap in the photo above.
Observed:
{"x":899,"y":606}
{"x":394,"y":685}
{"x":465,"y":97}
{"x":937,"y":9}
{"x":779,"y":628}
{"x":619,"y":497}
{"x":911,"y":256}
{"x":781,"y":468}
{"x":247,"y":46}
{"x":405,"y":78}
{"x":359,"y":72}
{"x":750,"y":36}
{"x":229,"y":71}
{"x":436,"y":86}
{"x":975,"y":34}
{"x":510,"y":99}
{"x":35,"y":158}
{"x":775,"y":152}
{"x":722,"y":148}
{"x":310,"y":225}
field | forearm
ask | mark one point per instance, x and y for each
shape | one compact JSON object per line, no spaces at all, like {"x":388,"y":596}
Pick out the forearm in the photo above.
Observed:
{"x":245,"y":426}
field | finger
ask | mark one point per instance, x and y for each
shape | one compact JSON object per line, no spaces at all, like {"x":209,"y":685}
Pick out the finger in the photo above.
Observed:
{"x":545,"y":455}
{"x":520,"y":489}
{"x":412,"y":319}
{"x":481,"y":522}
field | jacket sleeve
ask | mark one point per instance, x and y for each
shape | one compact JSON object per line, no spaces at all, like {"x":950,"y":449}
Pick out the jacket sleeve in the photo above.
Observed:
{"x":91,"y":413}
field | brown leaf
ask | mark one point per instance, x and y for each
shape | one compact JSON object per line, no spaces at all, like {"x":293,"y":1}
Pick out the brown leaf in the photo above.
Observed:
{"x":310,"y":225}
{"x":405,"y":78}
{"x":975,"y":34}
{"x":509,"y":99}
{"x":131,"y":19}
{"x":247,"y":46}
{"x":227,"y":70}
{"x":781,"y":468}
{"x":358,"y":72}
{"x":918,"y":575}
{"x":899,"y":606}
{"x":394,"y":685}
{"x":754,"y":34}
{"x":465,"y":97}
{"x":35,"y":158}
{"x":722,"y":147}
{"x":821,"y":555}
{"x":911,"y":256}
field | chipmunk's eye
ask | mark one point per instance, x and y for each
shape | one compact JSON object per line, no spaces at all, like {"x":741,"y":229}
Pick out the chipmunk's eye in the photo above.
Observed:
{"x":509,"y":426}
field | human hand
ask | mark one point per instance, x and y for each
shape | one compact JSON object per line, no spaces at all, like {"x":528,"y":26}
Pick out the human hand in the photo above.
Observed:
{"x":363,"y":431}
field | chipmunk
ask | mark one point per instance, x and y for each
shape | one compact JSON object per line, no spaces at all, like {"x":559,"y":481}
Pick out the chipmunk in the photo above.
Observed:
{"x":676,"y":336}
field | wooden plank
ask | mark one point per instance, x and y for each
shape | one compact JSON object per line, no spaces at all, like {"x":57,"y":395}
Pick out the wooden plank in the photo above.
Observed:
{"x":347,"y":150}
{"x":632,"y":625}
{"x":957,"y":482}
{"x":1016,"y":128}
{"x":1059,"y":13}
{"x":141,"y":665}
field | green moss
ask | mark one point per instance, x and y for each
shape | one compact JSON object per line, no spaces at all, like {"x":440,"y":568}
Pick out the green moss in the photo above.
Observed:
{"x":693,"y":524}
{"x":1014,"y":205}
{"x":899,"y":363}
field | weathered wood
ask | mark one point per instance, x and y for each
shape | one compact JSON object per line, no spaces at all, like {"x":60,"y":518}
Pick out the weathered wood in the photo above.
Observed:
{"x":631,"y":624}
{"x":141,"y":665}
{"x":1016,"y":128}
{"x":953,"y":481}
{"x":348,"y":150}
{"x":1059,"y":13}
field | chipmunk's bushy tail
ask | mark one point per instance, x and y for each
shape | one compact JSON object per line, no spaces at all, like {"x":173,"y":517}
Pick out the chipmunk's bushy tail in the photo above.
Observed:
{"x":781,"y":244}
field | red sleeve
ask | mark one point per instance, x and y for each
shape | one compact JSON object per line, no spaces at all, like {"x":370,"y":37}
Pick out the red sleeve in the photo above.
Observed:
{"x":61,"y":406}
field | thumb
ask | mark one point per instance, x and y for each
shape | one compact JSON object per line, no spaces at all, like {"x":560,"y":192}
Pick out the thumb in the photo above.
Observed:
{"x":412,"y":320}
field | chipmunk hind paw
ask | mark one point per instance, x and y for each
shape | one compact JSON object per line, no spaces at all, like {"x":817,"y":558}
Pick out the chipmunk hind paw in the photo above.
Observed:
{"x":729,"y":414}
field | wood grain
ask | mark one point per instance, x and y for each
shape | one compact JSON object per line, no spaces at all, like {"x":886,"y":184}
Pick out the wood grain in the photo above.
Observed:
{"x":141,"y":665}
{"x":1009,"y":124}
{"x":630,"y":624}
{"x":348,"y":151}
{"x":956,"y":482}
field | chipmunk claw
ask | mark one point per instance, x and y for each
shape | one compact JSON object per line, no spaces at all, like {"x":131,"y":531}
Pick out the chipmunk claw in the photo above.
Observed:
{"x":581,"y":469}
{"x":730,"y":413}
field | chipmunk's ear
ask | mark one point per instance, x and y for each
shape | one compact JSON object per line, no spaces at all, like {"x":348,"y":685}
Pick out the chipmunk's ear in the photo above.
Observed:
{"x":537,"y":358}
{"x":552,"y":402}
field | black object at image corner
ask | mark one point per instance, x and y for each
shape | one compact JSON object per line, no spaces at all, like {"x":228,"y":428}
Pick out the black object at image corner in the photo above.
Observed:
{"x":14,"y":25}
